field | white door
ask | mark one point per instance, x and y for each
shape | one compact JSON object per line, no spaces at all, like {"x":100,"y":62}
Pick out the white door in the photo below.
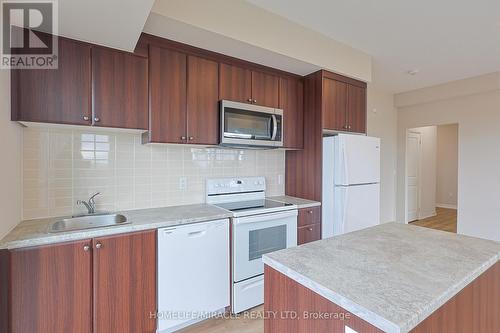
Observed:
{"x":413,"y":143}
{"x":358,"y":207}
{"x":357,"y":160}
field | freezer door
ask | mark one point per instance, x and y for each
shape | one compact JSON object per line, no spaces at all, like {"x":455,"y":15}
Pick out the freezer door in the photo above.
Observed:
{"x":356,"y":207}
{"x":357,"y":159}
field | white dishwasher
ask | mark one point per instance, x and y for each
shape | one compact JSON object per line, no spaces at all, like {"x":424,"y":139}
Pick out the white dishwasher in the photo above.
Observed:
{"x":193,"y":273}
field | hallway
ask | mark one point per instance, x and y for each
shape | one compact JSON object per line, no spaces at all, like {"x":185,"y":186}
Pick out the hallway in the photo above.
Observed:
{"x":445,"y":220}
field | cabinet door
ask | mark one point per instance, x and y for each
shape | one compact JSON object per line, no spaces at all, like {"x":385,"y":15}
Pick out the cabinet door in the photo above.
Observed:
{"x":356,"y":109}
{"x":309,"y":216}
{"x":120,"y":89}
{"x":167,"y":95}
{"x":292,"y":103}
{"x":265,"y":89}
{"x":334,"y":105}
{"x":235,"y":83}
{"x":51,"y":288}
{"x":125,"y":283}
{"x":59,"y":95}
{"x":203,"y":101}
{"x":308,"y":234}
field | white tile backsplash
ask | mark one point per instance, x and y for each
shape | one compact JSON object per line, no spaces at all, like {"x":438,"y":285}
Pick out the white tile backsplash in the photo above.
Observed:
{"x":61,"y":166}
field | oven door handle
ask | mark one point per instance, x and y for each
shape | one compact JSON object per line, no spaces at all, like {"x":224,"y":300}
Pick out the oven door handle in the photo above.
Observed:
{"x":264,"y":217}
{"x":275,"y":127}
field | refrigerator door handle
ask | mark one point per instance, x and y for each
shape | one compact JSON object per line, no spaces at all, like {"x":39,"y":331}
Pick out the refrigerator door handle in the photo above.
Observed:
{"x":344,"y":210}
{"x":346,"y":167}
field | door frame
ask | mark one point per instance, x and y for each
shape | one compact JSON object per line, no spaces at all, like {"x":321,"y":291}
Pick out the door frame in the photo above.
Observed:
{"x":419,"y":171}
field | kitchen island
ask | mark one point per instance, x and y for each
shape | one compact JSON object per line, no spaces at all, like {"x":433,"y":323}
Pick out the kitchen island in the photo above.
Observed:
{"x":392,"y":278}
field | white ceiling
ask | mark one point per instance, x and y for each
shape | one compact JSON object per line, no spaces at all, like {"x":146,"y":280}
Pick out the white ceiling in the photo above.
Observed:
{"x":445,"y":40}
{"x":113,"y":23}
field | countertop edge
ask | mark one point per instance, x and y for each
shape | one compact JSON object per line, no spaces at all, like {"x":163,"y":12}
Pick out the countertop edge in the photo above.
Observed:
{"x":294,"y":200}
{"x":109,"y":231}
{"x":354,"y":308}
{"x":371,"y":317}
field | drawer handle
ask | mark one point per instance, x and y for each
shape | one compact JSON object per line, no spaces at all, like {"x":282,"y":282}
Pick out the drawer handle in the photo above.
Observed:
{"x":310,"y":229}
{"x":310,"y":211}
{"x":98,"y":245}
{"x":86,"y":248}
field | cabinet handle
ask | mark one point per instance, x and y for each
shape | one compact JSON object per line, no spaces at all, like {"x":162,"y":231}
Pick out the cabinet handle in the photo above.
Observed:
{"x":310,"y":229}
{"x":255,"y":101}
{"x":98,"y":245}
{"x":346,"y":127}
{"x":183,"y":138}
{"x":96,"y":119}
{"x":191,"y":138}
{"x":86,"y":248}
{"x":86,"y":118}
{"x":349,"y":127}
{"x":249,"y":100}
{"x":310,"y":211}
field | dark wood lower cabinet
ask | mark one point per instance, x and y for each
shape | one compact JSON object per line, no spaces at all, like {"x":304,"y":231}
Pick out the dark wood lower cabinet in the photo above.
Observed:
{"x":308,"y":233}
{"x":50,"y":289}
{"x":309,"y":225}
{"x":125,"y":283}
{"x":101,"y":285}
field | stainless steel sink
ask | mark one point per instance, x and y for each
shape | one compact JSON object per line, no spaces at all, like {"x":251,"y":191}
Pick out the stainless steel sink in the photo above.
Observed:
{"x":88,"y":222}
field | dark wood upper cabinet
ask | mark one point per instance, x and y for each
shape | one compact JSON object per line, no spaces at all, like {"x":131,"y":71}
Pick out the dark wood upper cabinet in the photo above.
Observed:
{"x":235,"y":83}
{"x":202,"y":101}
{"x":356,"y":109}
{"x":168,"y":95}
{"x":334,"y":105}
{"x":120,"y":89}
{"x":265,"y":89}
{"x":61,"y":95}
{"x":50,"y":288}
{"x":292,"y":103}
{"x":125,"y":283}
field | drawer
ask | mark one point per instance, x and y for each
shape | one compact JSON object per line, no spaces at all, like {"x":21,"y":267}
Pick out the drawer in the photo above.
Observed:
{"x":308,"y":233}
{"x":309,"y":216}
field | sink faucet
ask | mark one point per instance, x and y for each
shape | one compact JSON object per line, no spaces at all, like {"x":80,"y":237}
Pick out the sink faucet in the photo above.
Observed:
{"x":89,"y":204}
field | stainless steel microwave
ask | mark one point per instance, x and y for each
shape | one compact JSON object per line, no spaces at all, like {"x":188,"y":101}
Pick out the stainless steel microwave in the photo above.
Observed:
{"x":250,"y":125}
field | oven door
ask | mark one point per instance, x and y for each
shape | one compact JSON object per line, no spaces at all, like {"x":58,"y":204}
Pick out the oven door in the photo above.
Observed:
{"x":251,"y":125}
{"x":256,"y":235}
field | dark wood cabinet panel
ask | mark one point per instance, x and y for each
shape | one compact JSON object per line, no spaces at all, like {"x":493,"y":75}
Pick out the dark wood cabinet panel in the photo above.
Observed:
{"x":334,"y":105}
{"x":202,"y":101}
{"x":168,"y":87}
{"x":308,"y":233}
{"x":125,"y":283}
{"x":61,"y":95}
{"x":120,"y":89}
{"x":235,"y":83}
{"x":309,"y":216}
{"x":356,"y":109}
{"x":51,"y":288}
{"x":265,"y":89}
{"x":292,"y":102}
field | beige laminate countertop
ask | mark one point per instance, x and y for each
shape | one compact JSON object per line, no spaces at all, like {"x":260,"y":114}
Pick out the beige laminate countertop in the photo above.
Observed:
{"x":35,"y":232}
{"x":299,"y":202}
{"x":392,"y":275}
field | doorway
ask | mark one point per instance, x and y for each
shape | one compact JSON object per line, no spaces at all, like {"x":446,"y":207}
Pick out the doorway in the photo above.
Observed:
{"x":432,"y":176}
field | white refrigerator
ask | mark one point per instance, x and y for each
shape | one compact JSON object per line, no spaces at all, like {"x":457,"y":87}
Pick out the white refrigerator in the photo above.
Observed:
{"x":351,"y":183}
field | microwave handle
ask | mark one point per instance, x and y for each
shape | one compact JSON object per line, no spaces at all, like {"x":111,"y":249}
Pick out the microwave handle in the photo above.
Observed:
{"x":275,"y":127}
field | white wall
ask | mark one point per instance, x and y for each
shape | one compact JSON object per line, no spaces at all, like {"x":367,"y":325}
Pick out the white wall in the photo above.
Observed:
{"x":428,"y":163}
{"x":474,"y":104}
{"x":382,"y":123}
{"x":10,"y":167}
{"x":242,"y":21}
{"x":447,"y":166}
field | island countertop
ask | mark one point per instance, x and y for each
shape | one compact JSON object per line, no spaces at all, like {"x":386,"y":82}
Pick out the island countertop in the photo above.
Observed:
{"x":393,"y":275}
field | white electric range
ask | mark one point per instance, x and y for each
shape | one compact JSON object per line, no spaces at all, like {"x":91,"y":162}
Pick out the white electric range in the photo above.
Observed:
{"x":259,"y":226}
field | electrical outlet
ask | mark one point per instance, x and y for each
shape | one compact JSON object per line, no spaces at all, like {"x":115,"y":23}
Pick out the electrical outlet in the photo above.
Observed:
{"x":182,"y":183}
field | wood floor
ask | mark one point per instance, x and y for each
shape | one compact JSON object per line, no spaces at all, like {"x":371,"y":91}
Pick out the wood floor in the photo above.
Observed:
{"x":247,"y":322}
{"x":445,"y":220}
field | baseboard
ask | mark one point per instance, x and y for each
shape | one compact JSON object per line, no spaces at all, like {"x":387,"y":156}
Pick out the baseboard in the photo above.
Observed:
{"x":440,"y":205}
{"x":425,"y":215}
